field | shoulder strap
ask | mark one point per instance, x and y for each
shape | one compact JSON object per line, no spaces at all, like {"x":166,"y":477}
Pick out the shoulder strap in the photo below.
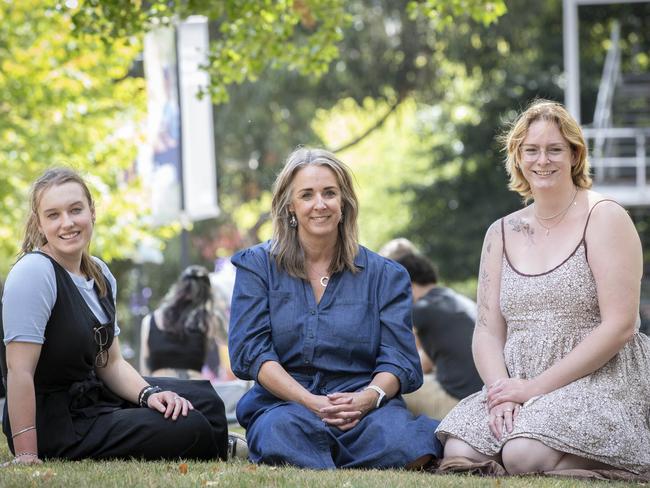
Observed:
{"x":503,"y":235}
{"x":584,"y":232}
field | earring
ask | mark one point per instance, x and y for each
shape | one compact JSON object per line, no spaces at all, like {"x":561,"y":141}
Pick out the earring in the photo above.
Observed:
{"x":342,"y":217}
{"x":293,"y":222}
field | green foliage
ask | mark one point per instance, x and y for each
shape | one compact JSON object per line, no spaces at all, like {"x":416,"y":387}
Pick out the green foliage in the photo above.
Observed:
{"x":388,"y":58}
{"x":250,"y":36}
{"x":381,"y":163}
{"x":443,"y":13}
{"x":67,"y":100}
{"x":298,"y":35}
{"x":490,"y":74}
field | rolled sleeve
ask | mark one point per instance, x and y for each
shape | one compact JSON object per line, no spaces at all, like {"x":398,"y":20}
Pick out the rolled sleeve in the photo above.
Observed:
{"x":249,"y":340}
{"x":397,"y":352}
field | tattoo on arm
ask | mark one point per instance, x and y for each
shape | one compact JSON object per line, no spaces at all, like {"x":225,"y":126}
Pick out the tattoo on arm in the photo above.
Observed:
{"x":484,"y":280}
{"x":483,"y":306}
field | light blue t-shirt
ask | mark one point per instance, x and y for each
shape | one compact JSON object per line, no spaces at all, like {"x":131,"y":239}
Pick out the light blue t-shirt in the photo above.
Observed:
{"x":30,"y":294}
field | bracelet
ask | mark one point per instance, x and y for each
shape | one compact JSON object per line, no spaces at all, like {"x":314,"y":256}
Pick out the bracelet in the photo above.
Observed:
{"x":142,"y":392}
{"x":25,"y":453}
{"x":146,"y":392}
{"x":26,"y":429}
{"x":380,"y":392}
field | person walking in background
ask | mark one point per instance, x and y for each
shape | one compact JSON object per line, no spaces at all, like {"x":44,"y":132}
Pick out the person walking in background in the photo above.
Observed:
{"x":444,"y":324}
{"x":324,"y":327}
{"x":70,"y":393}
{"x":556,"y":340}
{"x":175,"y":336}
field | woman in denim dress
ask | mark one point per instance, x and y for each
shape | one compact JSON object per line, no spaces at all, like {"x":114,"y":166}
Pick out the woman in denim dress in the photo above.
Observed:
{"x":323,"y":325}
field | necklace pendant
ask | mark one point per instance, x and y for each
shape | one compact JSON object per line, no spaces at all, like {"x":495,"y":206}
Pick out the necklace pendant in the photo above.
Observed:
{"x":547,"y":231}
{"x":324,"y":280}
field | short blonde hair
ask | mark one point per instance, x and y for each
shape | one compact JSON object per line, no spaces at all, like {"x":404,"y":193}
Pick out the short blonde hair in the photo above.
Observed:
{"x":285,"y":245}
{"x":550,"y":111}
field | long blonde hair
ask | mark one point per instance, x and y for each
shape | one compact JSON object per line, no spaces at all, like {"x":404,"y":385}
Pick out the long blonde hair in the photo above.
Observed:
{"x":285,"y":246}
{"x":35,"y":239}
{"x":550,"y":111}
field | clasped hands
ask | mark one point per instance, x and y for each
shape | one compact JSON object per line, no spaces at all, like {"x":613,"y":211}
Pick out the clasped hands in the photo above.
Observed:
{"x":343,"y":410}
{"x":504,"y":400}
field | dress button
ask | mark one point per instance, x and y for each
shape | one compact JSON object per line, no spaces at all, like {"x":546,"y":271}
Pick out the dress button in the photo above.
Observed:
{"x":307,"y":361}
{"x":313,"y":312}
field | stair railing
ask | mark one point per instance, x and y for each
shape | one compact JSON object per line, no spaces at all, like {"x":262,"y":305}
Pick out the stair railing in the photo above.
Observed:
{"x":603,"y":111}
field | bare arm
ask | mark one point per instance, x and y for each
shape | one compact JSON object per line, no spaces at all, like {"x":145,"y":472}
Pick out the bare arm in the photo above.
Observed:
{"x":489,"y":337}
{"x":615,"y":258}
{"x":274,"y":378}
{"x":144,"y":345}
{"x":490,"y":330}
{"x":123,"y":380}
{"x":22,"y":358}
{"x":425,"y":360}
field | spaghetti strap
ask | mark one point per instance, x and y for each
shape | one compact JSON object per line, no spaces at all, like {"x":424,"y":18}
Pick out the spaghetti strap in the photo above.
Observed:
{"x":584,"y":232}
{"x":503,"y":236}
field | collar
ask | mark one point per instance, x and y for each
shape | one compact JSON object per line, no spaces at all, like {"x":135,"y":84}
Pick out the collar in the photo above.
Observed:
{"x":361,"y":259}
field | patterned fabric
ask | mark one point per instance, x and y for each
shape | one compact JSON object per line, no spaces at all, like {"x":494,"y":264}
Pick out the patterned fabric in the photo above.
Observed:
{"x":603,"y":416}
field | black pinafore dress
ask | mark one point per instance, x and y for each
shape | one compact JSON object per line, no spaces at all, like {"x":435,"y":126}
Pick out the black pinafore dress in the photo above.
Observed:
{"x":69,"y":396}
{"x":77,"y":416}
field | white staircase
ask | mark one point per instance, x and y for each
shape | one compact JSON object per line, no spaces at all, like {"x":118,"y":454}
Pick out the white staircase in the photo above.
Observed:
{"x":619,"y":137}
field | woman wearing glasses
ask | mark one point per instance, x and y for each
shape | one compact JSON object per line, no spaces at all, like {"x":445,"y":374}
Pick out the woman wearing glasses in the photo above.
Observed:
{"x":70,"y":393}
{"x":556,"y":340}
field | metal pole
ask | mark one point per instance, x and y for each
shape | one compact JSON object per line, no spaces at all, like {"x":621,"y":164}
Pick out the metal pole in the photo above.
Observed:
{"x":571,"y":57}
{"x":185,"y":235}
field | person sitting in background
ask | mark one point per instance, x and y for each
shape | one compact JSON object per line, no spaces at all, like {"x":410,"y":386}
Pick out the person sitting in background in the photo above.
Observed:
{"x":444,"y":324}
{"x":70,"y":393}
{"x":175,"y":340}
{"x":324,"y":327}
{"x":175,"y":336}
{"x":396,"y":248}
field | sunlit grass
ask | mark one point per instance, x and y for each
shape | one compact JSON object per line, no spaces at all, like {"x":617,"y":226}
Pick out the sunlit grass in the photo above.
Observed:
{"x":108,"y":474}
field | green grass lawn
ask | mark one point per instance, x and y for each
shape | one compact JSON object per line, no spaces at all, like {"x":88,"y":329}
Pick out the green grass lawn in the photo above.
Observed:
{"x":108,"y":474}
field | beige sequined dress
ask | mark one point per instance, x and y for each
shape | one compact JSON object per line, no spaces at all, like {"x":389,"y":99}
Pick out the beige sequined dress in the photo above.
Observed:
{"x":603,"y":416}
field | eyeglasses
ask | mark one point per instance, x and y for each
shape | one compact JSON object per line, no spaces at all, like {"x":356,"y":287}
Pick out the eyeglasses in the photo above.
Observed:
{"x":101,"y":339}
{"x":553,"y":153}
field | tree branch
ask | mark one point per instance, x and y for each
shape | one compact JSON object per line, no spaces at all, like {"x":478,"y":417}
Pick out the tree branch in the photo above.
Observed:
{"x":371,"y":129}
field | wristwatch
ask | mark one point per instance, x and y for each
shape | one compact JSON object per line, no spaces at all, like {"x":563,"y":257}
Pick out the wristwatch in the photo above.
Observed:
{"x":380,"y":392}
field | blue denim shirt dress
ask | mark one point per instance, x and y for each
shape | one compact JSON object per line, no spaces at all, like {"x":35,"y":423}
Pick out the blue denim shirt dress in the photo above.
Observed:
{"x":361,"y":326}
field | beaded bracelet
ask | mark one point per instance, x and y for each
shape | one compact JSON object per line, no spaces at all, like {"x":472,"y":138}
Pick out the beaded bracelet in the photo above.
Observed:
{"x":145,"y":388}
{"x":146,"y":392}
{"x":26,"y":429}
{"x":25,"y":453}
